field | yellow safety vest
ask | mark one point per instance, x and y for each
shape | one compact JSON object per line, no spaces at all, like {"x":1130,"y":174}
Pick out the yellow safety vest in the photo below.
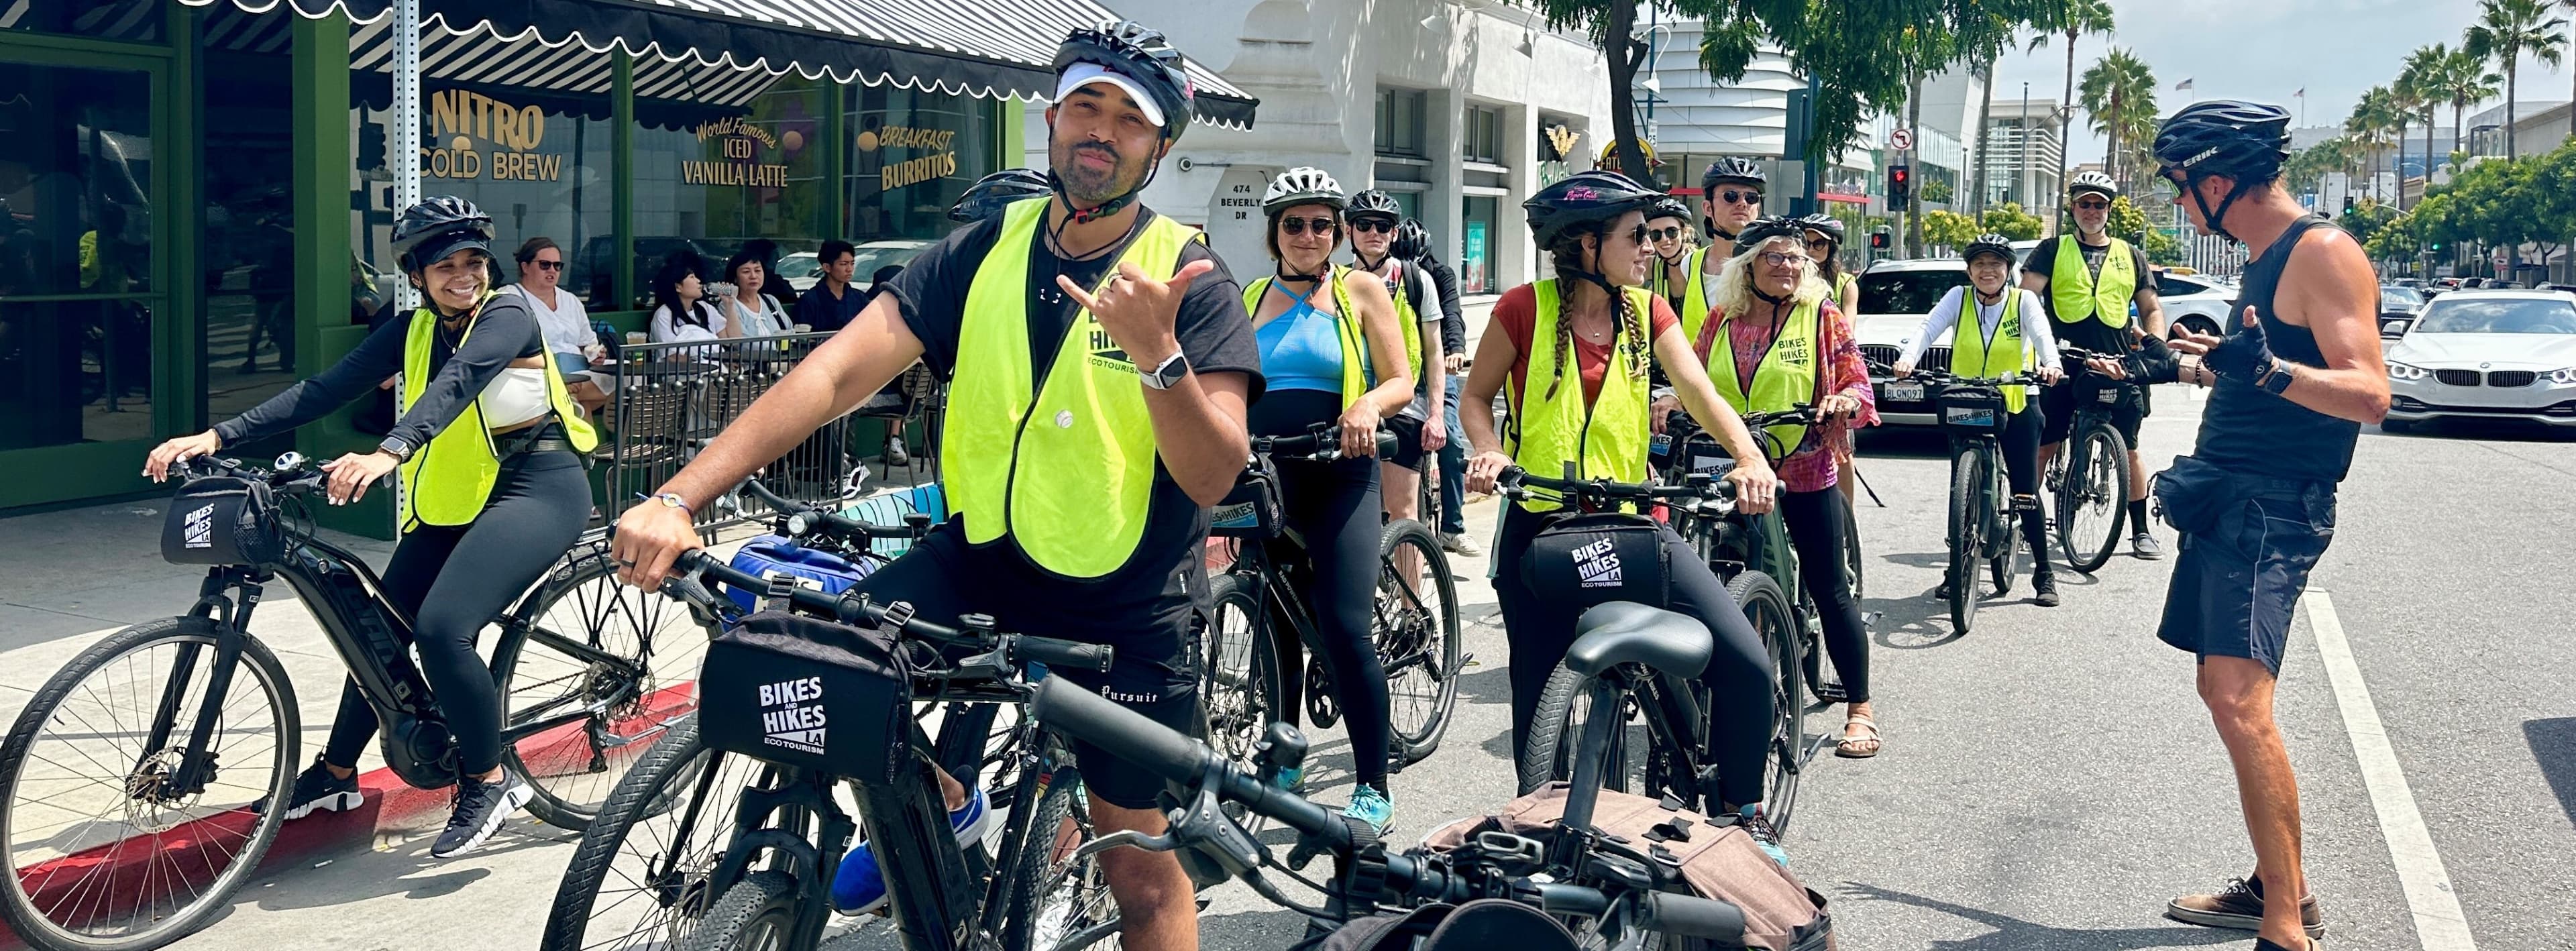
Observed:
{"x":1971,"y":354}
{"x":1842,"y":288}
{"x":447,"y":481}
{"x":1695,"y":302}
{"x":1605,"y":438}
{"x":1355,"y":359}
{"x":2078,"y":296}
{"x":1066,"y":475}
{"x":1785,"y":378}
{"x":1411,"y":322}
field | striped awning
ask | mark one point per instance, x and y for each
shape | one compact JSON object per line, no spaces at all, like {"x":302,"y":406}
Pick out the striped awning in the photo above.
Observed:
{"x":726,"y":52}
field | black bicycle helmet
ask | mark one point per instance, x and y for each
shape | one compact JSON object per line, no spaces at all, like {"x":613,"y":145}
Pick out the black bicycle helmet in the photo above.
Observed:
{"x":1994,"y":244}
{"x":1764,"y":229}
{"x":1302,"y":186}
{"x":2245,"y":142}
{"x":438,"y":227}
{"x":1668,"y":207}
{"x":1411,"y":240}
{"x":992,"y":193}
{"x":1735,"y":169}
{"x":1375,"y":203}
{"x":1140,"y":53}
{"x":1584,"y":198}
{"x":1827,"y":225}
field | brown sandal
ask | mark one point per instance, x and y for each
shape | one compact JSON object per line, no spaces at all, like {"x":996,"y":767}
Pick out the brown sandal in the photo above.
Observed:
{"x":1850,"y":747}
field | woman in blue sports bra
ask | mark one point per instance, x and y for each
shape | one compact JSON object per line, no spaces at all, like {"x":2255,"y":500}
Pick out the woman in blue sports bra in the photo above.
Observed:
{"x":1331,"y":352}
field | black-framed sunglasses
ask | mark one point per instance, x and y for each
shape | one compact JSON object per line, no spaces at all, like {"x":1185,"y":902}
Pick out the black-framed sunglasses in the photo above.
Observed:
{"x":1733,"y":197}
{"x":548,"y":265}
{"x":1295,"y":225}
{"x":1664,"y":234}
{"x":2096,"y":205}
{"x":1372,"y":224}
{"x":1637,"y":235}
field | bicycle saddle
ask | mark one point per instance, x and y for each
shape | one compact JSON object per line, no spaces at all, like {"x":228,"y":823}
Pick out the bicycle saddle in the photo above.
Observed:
{"x":1623,"y":632}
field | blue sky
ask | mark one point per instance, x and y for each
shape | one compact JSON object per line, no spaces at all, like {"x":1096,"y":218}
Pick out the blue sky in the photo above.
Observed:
{"x":2265,"y":50}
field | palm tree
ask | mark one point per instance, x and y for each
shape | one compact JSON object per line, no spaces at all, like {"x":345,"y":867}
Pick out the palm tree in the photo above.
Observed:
{"x":2507,"y":31}
{"x":2075,"y":19}
{"x":2420,"y":84}
{"x":2120,"y":93}
{"x":2465,"y":82}
{"x":2368,"y":125}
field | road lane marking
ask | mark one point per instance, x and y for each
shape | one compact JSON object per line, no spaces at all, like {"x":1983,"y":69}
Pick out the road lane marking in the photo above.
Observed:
{"x":2439,"y":923}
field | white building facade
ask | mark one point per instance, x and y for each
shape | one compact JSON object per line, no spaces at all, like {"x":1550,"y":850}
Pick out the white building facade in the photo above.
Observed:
{"x":1459,"y":108}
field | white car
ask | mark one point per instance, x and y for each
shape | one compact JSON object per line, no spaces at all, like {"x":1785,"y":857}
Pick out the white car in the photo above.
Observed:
{"x":801,"y":270}
{"x":2194,"y":302}
{"x":1895,"y":296}
{"x":2479,"y":354}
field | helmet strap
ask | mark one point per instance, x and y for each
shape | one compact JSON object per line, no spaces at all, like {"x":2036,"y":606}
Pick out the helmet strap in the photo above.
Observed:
{"x":1770,"y":298}
{"x":1362,"y":258}
{"x":2217,"y":218}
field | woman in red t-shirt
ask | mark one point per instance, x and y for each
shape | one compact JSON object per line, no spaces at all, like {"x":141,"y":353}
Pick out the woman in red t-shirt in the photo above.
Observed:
{"x":1593,"y":226}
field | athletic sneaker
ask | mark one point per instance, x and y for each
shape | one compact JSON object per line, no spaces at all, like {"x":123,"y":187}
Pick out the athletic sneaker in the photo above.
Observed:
{"x":2043,"y":589}
{"x":481,"y":807}
{"x":1757,"y":824}
{"x":316,"y":790}
{"x":1371,"y":806}
{"x":2240,"y":905}
{"x":859,"y":887}
{"x":1457,"y":543}
{"x":2144,"y":545}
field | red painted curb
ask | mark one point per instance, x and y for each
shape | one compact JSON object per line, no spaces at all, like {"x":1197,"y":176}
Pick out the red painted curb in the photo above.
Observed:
{"x":389,"y":806}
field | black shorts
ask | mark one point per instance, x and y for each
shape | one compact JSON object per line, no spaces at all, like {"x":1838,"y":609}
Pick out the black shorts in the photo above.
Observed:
{"x":1152,"y":672}
{"x":2236,"y":587}
{"x":2057,"y":403}
{"x":1408,"y":441}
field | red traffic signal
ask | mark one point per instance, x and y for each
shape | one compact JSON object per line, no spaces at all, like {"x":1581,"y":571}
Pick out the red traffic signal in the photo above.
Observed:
{"x":1900,"y":186}
{"x":1880,"y":240}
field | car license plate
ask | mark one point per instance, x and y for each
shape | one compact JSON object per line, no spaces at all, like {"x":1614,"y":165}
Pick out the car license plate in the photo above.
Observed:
{"x":1905,"y":392}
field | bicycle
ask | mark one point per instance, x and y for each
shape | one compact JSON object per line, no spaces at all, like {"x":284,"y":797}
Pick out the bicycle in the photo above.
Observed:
{"x":152,"y":735}
{"x":1982,"y":526}
{"x":2089,"y":477}
{"x":1259,"y":612}
{"x":1615,"y":895}
{"x":1675,"y":710}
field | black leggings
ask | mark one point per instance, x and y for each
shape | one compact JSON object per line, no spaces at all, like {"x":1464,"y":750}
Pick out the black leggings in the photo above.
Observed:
{"x":2021,"y":471}
{"x":1816,"y":521}
{"x":452,"y":580}
{"x":1739,"y":670}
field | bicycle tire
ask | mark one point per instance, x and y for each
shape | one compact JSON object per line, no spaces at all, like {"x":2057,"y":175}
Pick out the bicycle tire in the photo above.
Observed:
{"x":179,"y":857}
{"x":1055,"y":899}
{"x":666,"y":888}
{"x":1967,"y":479}
{"x":756,"y":914}
{"x":1766,"y":606}
{"x":1418,"y":641}
{"x":1556,"y":731}
{"x":2097,"y":478}
{"x":1239,"y":679}
{"x":574,"y":768}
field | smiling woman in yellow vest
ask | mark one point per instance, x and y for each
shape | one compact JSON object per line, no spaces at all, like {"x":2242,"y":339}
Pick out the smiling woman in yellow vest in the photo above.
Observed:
{"x":489,"y":449}
{"x":1778,"y":342}
{"x":1572,"y":353}
{"x":1323,"y":330}
{"x":2004,"y":337}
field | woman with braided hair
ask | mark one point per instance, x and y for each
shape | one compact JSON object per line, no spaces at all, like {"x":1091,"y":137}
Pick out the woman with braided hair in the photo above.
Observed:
{"x":1575,"y":352}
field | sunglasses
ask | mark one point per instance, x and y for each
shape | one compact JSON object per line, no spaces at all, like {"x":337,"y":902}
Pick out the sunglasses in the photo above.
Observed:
{"x":1663,"y":234}
{"x":1733,"y":197}
{"x":2092,"y":206}
{"x":1780,"y":259}
{"x":548,"y":265}
{"x":1295,"y":225}
{"x":1372,"y":224}
{"x":1637,"y":235}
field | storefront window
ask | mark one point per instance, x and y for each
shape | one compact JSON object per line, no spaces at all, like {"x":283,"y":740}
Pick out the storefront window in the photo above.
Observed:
{"x":911,"y":155}
{"x":248,"y":349}
{"x":134,"y":21}
{"x":1476,"y":248}
{"x":712,"y":184}
{"x":539,"y":168}
{"x":79,"y":312}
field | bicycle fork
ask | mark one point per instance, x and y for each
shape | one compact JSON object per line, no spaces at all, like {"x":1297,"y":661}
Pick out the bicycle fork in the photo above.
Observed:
{"x":196,"y":765}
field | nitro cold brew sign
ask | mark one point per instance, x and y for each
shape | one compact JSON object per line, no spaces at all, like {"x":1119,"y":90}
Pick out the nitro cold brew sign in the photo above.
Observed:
{"x":512,"y":133}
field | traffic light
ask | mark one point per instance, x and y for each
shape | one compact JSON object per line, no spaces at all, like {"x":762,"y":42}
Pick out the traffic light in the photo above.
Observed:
{"x":1900,"y":187}
{"x":1880,"y":240}
{"x":2347,"y":204}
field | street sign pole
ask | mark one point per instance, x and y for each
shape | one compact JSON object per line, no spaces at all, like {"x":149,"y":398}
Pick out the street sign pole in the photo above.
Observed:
{"x":405,"y":159}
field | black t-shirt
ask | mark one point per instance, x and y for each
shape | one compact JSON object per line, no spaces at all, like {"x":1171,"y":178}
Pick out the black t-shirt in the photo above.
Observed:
{"x":2091,"y":335}
{"x":1215,"y":334}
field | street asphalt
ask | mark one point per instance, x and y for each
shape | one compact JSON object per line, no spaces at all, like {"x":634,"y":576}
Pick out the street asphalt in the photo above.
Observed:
{"x":2048,"y":780}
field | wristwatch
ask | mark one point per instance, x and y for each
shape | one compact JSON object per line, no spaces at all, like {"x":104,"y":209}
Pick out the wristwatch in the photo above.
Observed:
{"x":396,"y":447}
{"x":1167,"y":375}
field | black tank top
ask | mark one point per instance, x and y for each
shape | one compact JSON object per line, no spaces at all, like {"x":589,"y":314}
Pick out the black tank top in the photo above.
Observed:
{"x":2249,"y":431}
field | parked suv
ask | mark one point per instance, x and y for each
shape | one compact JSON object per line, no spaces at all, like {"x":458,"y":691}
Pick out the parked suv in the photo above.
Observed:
{"x":1895,"y":296}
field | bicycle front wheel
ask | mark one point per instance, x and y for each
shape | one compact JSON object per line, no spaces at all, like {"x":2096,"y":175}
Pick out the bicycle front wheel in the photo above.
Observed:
{"x":643,"y":874}
{"x":1968,"y":478}
{"x":2093,"y":498}
{"x":591,"y":673}
{"x":1240,"y":680}
{"x":115,"y":848}
{"x":756,"y":914}
{"x":1415,"y":625}
{"x":1058,"y":902}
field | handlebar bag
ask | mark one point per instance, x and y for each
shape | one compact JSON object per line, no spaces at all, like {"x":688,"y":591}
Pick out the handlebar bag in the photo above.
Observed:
{"x":1971,"y":411}
{"x":1252,"y":508}
{"x":1716,"y":858}
{"x":773,"y":556}
{"x":223,"y":520}
{"x":809,"y":693}
{"x":1583,"y":560}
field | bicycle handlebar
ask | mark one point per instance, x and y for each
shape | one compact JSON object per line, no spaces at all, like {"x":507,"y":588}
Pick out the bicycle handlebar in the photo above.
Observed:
{"x":1322,"y":443}
{"x":855,"y":608}
{"x":289,"y":475}
{"x":1515,"y":483}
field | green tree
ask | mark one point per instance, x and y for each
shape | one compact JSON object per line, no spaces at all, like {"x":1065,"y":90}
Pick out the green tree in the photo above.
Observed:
{"x":2465,"y":81}
{"x":1948,"y":229}
{"x":1939,"y":192}
{"x":2507,"y":32}
{"x":2120,"y":93}
{"x":2161,"y":248}
{"x":2420,"y":84}
{"x":2074,"y":19}
{"x":2126,"y":220}
{"x":2370,"y":125}
{"x":2009,"y":220}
